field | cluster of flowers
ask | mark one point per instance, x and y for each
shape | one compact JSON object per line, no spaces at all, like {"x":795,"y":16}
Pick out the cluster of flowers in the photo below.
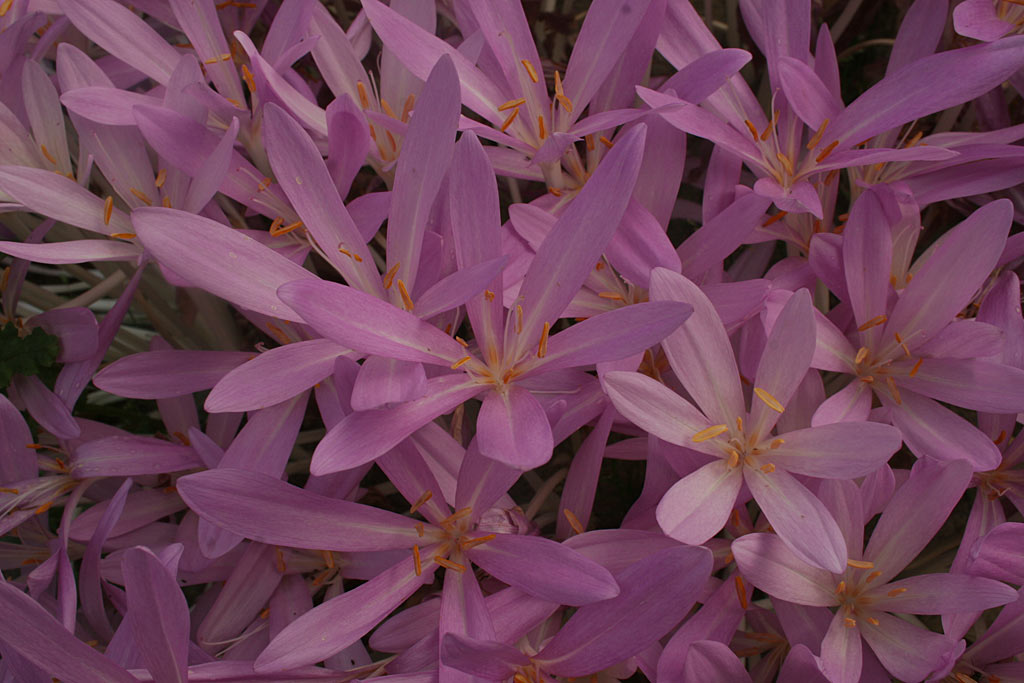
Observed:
{"x":811,"y":394}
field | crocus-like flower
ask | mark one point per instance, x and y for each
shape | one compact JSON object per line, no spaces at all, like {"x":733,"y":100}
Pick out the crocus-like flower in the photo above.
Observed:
{"x":865,"y":593}
{"x":740,"y":440}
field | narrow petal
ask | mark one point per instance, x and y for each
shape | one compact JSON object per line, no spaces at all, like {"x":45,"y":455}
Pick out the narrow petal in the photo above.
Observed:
{"x":852,"y":403}
{"x":841,"y":653}
{"x":932,"y":430}
{"x":545,"y":569}
{"x":908,"y":652}
{"x":512,"y":428}
{"x":158,"y":614}
{"x":37,"y":189}
{"x":165,"y":374}
{"x":721,"y":235}
{"x":613,"y":335}
{"x":274,"y":376}
{"x":121,"y":456}
{"x":198,"y":248}
{"x":80,"y":251}
{"x":655,"y":591}
{"x":842,"y":450}
{"x":657,"y":409}
{"x":809,"y":97}
{"x":799,"y":518}
{"x":867,"y":261}
{"x":770,"y":565}
{"x":487,"y":659}
{"x":974,"y":384}
{"x":268,"y":510}
{"x":709,"y":660}
{"x":997,"y":554}
{"x":337,"y":623}
{"x":639,"y":245}
{"x":945,"y":593}
{"x":916,"y":511}
{"x":42,"y":640}
{"x":700,"y":351}
{"x":698,"y":506}
{"x":365,"y":323}
{"x":366,"y":435}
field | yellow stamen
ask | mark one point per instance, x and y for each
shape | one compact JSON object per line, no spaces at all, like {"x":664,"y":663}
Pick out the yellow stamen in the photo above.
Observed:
{"x":141,"y":196}
{"x":573,"y":520}
{"x":4,"y":489}
{"x":753,"y":131}
{"x":512,"y":104}
{"x":872,"y":621}
{"x":872,"y":576}
{"x":285,"y":229}
{"x":276,"y":224}
{"x":416,"y":560}
{"x":917,"y":366}
{"x":741,"y":591}
{"x":767,"y":468}
{"x":250,"y":82}
{"x":542,"y":347}
{"x":448,"y":564}
{"x":278,"y":333}
{"x":421,"y":501}
{"x":874,"y":322}
{"x":917,"y":137}
{"x":391,"y":140}
{"x":774,"y":219}
{"x":555,"y":191}
{"x":5,"y":6}
{"x":606,"y":142}
{"x":530,"y":71}
{"x":893,"y":390}
{"x":489,"y":295}
{"x":264,"y":184}
{"x":840,"y":588}
{"x":850,"y":622}
{"x":771,"y":124}
{"x":108,"y":209}
{"x":999,"y":439}
{"x":279,"y":561}
{"x":902,"y":343}
{"x":363,"y":99}
{"x":540,"y":127}
{"x":862,"y":354}
{"x":462,"y":342}
{"x":406,"y":299}
{"x":460,"y":362}
{"x":560,"y":94}
{"x":896,"y":591}
{"x":43,"y":508}
{"x":734,"y":459}
{"x":49,"y":157}
{"x":124,"y":235}
{"x":860,"y":564}
{"x":410,"y":101}
{"x":390,"y":275}
{"x":709,"y":433}
{"x":589,"y":139}
{"x":519,"y":318}
{"x":474,"y":542}
{"x":610,"y":295}
{"x":161,"y":178}
{"x":769,"y":400}
{"x":166,"y":202}
{"x":776,"y":443}
{"x":355,"y":257}
{"x":508,"y":121}
{"x":420,"y":530}
{"x":739,"y":423}
{"x":813,"y":142}
{"x":825,"y":152}
{"x":222,"y":57}
{"x":387,"y":108}
{"x":328,"y":558}
{"x":787,"y":165}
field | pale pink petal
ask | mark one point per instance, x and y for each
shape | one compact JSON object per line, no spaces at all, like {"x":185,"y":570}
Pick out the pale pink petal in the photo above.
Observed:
{"x":698,"y":506}
{"x":908,"y":652}
{"x":768,"y":563}
{"x":512,"y":428}
{"x":841,"y":654}
{"x":842,"y":450}
{"x":657,"y":409}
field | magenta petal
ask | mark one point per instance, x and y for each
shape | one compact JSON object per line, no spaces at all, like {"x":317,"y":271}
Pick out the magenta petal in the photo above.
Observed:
{"x":512,"y":428}
{"x":80,"y":251}
{"x":268,"y":510}
{"x":657,"y":409}
{"x":867,"y":261}
{"x":932,"y":430}
{"x":654,"y":593}
{"x":978,"y":19}
{"x":42,"y":640}
{"x":489,"y":660}
{"x":799,"y":518}
{"x":852,"y":403}
{"x":274,"y":376}
{"x":197,"y":248}
{"x":809,"y":97}
{"x":165,"y":374}
{"x":709,"y":660}
{"x":947,"y":593}
{"x":37,"y":189}
{"x":639,"y":245}
{"x":771,"y":566}
{"x":545,"y":569}
{"x":121,"y":456}
{"x":976,"y":384}
{"x":158,"y":614}
{"x":16,"y":461}
{"x":385,"y":380}
{"x":841,"y":653}
{"x":698,"y":506}
{"x":997,"y":554}
{"x":339,"y":622}
{"x":908,"y":652}
{"x":842,"y":450}
{"x":361,"y":437}
{"x":365,"y":323}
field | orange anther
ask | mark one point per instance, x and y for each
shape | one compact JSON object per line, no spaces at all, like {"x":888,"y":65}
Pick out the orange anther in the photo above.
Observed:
{"x":774,"y":219}
{"x":460,"y":362}
{"x":161,"y":178}
{"x":390,"y":275}
{"x":406,"y":299}
{"x":741,"y":591}
{"x":530,"y":71}
{"x":606,"y":142}
{"x":917,"y":366}
{"x":573,"y":520}
{"x":874,"y":322}
{"x":416,"y":559}
{"x":509,"y":119}
{"x":825,"y":152}
{"x":860,"y":564}
{"x":141,"y":196}
{"x":540,"y":127}
{"x":542,"y":347}
{"x":512,"y":104}
{"x":108,"y":209}
{"x":813,"y":142}
{"x":49,"y":157}
{"x":753,"y":131}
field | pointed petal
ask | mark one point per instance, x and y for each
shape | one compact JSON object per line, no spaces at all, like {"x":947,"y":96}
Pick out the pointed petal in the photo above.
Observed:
{"x":946,"y":593}
{"x":197,"y":248}
{"x":698,"y":505}
{"x":842,"y":450}
{"x":158,"y":614}
{"x":37,"y":189}
{"x":709,"y":660}
{"x":339,"y":622}
{"x":867,"y":261}
{"x":268,"y":510}
{"x":385,"y":380}
{"x":639,"y":245}
{"x":799,"y":518}
{"x":513,"y":428}
{"x":166,"y":374}
{"x":770,"y":565}
{"x":120,"y":456}
{"x":908,"y":652}
{"x":721,"y":235}
{"x":545,"y":569}
{"x":852,"y":403}
{"x":486,"y":659}
{"x":974,"y":384}
{"x":841,"y":653}
{"x":932,"y":430}
{"x":654,"y":592}
{"x":365,"y":323}
{"x":699,"y":351}
{"x":656,"y":408}
{"x":274,"y":376}
{"x":809,"y":97}
{"x":80,"y":251}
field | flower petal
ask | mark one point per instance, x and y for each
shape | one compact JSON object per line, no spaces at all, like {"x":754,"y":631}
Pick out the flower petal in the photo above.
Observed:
{"x":770,"y":565}
{"x":698,"y":505}
{"x":513,"y":428}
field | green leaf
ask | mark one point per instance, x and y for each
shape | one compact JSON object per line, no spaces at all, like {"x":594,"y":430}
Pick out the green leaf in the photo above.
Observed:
{"x":25,"y":355}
